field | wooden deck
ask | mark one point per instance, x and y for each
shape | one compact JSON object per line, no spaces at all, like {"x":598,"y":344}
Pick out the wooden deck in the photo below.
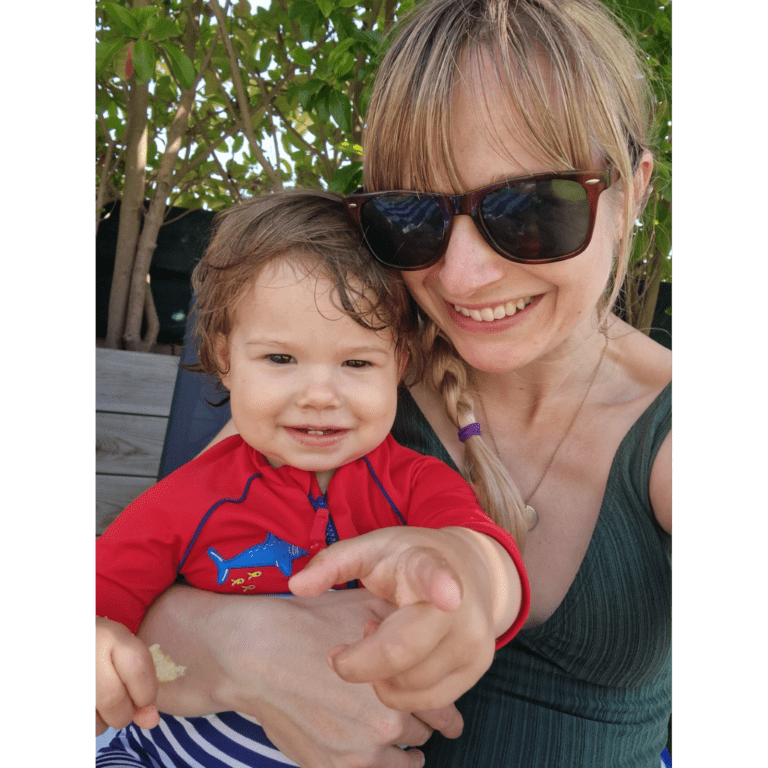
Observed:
{"x":134,"y":391}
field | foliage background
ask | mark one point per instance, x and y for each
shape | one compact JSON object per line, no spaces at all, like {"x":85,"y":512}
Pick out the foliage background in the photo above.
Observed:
{"x":199,"y":104}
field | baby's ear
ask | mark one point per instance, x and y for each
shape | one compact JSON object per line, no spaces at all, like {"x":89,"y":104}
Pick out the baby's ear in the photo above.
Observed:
{"x":403,"y":358}
{"x":222,"y":358}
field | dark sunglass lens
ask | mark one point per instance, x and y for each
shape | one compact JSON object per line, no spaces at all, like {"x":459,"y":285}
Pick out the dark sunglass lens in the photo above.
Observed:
{"x":538,"y":220}
{"x":403,"y":231}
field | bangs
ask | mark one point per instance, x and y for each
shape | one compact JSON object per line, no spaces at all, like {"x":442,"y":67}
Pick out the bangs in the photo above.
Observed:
{"x":570,"y":100}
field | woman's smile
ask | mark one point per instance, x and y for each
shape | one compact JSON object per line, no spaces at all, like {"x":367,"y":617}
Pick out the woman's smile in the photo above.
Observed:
{"x":488,"y":314}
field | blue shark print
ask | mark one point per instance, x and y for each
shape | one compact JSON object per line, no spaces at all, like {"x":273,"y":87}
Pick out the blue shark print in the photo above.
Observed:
{"x":272,"y":551}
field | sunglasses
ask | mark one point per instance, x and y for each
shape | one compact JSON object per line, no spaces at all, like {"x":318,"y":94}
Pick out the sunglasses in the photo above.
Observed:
{"x":536,"y":219}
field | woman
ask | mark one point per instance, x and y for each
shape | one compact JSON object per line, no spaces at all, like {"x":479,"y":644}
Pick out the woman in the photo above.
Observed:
{"x":516,"y":297}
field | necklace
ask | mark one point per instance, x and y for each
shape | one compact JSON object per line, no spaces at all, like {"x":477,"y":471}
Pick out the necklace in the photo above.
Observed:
{"x":530,"y":511}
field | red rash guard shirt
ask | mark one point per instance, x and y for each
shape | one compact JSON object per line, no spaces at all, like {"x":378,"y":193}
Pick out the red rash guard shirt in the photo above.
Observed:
{"x":229,"y":522}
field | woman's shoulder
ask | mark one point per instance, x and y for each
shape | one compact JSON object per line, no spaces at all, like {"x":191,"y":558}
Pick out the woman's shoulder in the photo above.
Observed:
{"x":643,"y":365}
{"x":644,"y":388}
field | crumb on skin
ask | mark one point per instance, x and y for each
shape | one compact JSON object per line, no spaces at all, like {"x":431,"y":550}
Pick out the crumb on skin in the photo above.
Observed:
{"x":165,"y":668}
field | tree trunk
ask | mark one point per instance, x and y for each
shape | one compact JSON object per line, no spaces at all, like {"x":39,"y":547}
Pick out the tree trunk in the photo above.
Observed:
{"x":131,"y":211}
{"x":141,"y":294}
{"x":140,"y":302}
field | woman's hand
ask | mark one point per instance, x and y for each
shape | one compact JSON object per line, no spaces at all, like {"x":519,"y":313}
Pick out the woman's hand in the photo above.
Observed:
{"x":266,"y":657}
{"x":456,"y":591}
{"x":126,"y":685}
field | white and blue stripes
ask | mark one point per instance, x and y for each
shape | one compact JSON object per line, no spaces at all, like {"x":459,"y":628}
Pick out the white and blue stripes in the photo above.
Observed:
{"x":226,"y":740}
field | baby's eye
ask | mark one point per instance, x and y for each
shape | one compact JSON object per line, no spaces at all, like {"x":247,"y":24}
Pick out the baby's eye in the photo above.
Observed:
{"x":357,"y":363}
{"x":281,"y":359}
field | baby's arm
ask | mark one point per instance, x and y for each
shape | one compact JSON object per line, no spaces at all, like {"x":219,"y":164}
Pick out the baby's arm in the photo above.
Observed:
{"x":456,"y":590}
{"x":126,"y":684}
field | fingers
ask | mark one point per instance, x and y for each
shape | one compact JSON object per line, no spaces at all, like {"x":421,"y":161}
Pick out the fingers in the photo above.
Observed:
{"x":423,"y":698}
{"x":402,"y":640}
{"x":146,"y":717}
{"x":447,"y":720}
{"x":126,"y":685}
{"x":402,"y":573}
{"x":344,"y":561}
{"x":101,"y":726}
{"x":414,"y":758}
{"x":415,"y":660}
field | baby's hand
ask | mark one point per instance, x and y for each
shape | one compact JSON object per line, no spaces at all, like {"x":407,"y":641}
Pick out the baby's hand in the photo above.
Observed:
{"x":126,"y":684}
{"x":442,"y":637}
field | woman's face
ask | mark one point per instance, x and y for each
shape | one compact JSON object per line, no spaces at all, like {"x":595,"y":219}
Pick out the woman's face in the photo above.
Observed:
{"x":472,"y":292}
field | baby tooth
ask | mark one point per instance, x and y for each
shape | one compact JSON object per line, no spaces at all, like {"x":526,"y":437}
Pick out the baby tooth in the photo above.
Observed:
{"x":499,"y":312}
{"x":486,"y":313}
{"x":521,"y":304}
{"x":510,"y":308}
{"x":475,"y":315}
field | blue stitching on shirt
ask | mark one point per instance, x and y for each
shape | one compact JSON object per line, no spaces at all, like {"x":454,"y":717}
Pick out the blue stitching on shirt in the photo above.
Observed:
{"x":381,"y":488}
{"x":209,"y":513}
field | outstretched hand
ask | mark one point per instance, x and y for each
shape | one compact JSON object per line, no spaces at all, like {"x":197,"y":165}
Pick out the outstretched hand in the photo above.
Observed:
{"x":441,"y":639}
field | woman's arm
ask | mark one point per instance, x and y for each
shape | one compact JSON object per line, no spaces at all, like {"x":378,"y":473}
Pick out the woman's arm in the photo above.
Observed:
{"x":267,"y":657}
{"x":660,"y":485}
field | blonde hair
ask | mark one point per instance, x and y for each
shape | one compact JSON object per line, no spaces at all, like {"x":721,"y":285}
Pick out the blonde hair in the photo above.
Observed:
{"x":439,"y":366}
{"x":577,"y":90}
{"x":312,"y":229}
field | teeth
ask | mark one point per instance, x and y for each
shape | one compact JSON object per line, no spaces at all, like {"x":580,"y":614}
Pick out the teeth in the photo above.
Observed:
{"x":315,"y":431}
{"x":487,"y":314}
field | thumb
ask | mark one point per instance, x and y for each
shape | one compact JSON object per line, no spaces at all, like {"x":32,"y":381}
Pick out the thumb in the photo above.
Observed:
{"x":424,"y":575}
{"x":146,"y":717}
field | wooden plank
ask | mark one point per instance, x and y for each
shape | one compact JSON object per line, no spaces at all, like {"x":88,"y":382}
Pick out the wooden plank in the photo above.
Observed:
{"x":134,"y":382}
{"x":127,"y":444}
{"x":114,"y":493}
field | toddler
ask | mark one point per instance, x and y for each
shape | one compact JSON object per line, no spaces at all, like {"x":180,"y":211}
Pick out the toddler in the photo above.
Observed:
{"x":310,"y":338}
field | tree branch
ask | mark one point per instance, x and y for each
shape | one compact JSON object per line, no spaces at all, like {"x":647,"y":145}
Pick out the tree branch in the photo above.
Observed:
{"x":242,"y":101}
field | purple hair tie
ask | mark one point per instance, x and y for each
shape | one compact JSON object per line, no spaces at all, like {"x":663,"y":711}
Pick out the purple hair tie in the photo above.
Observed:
{"x":469,"y":430}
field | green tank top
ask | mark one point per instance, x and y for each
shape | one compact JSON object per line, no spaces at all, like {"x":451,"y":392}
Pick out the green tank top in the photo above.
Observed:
{"x":591,"y":687}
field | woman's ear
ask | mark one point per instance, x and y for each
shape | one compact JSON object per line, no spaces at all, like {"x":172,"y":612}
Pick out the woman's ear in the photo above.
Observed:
{"x":641,"y":181}
{"x":222,"y":358}
{"x":641,"y":191}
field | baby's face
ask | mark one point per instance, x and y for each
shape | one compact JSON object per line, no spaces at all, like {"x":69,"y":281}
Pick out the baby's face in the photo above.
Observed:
{"x":309,"y":386}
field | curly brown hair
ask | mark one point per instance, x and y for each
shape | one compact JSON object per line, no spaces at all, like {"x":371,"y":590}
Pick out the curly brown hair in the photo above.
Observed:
{"x":313,"y":229}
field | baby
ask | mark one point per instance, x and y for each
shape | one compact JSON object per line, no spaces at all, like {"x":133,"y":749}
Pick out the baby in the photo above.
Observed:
{"x":310,"y":337}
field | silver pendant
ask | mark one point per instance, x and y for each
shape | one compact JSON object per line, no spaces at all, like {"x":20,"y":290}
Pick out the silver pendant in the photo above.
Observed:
{"x":531,"y":514}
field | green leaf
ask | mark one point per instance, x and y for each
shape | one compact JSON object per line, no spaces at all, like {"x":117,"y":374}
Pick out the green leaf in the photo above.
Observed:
{"x":343,"y":65}
{"x":123,"y":19}
{"x":144,"y":16}
{"x":144,"y":60}
{"x":301,"y":57}
{"x":308,"y":16}
{"x":347,"y":178}
{"x":325,"y":6}
{"x":105,"y":51}
{"x":306,"y":92}
{"x":298,"y":8}
{"x":340,"y":108}
{"x":351,"y":149}
{"x":340,"y":54}
{"x":162,"y":29}
{"x":181,"y":66}
{"x":321,"y":105}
